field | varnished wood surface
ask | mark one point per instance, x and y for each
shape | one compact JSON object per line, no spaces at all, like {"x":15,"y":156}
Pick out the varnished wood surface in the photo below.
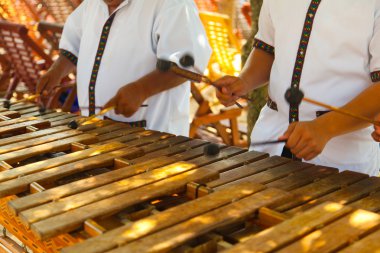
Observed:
{"x":135,"y":190}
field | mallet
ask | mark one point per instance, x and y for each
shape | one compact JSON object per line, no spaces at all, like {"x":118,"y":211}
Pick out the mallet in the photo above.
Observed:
{"x":165,"y":66}
{"x":295,"y":96}
{"x":74,"y":124}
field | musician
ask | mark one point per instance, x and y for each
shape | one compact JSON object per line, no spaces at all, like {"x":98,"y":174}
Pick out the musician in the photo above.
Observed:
{"x":114,"y":46}
{"x":330,"y":50}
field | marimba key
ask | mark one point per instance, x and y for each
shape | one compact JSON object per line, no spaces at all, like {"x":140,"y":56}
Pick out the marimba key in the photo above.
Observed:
{"x":120,"y":133}
{"x":190,"y":149}
{"x":302,"y":178}
{"x":175,"y":235}
{"x":167,"y":218}
{"x":348,"y":227}
{"x":367,"y":244}
{"x":10,"y":114}
{"x":248,"y":170}
{"x":165,"y":171}
{"x":22,"y":106}
{"x":281,"y":235}
{"x":370,"y":203}
{"x":345,"y":195}
{"x":54,"y":146}
{"x":320,"y":188}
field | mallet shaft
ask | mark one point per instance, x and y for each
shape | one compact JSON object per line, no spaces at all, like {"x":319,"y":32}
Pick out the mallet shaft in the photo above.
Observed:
{"x":26,"y":99}
{"x":195,"y":77}
{"x":342,"y":111}
{"x":267,"y":142}
{"x":102,"y":112}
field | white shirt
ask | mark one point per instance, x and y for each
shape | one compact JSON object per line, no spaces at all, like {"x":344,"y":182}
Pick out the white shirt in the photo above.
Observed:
{"x":142,"y":32}
{"x":344,"y":50}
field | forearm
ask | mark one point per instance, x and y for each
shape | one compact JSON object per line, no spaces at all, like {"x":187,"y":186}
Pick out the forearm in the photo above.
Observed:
{"x":62,"y":66}
{"x":157,"y":82}
{"x":256,"y":71}
{"x":367,"y":104}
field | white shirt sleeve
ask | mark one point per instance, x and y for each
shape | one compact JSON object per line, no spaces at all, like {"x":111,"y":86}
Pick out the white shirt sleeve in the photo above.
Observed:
{"x":265,"y":37}
{"x":178,"y":30}
{"x":374,"y":47}
{"x":72,"y":32}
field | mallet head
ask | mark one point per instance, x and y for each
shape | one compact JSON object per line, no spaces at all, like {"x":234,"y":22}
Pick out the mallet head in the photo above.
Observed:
{"x":211,"y":149}
{"x":7,"y":104}
{"x":294,"y":96}
{"x":187,"y":61}
{"x":73,"y":124}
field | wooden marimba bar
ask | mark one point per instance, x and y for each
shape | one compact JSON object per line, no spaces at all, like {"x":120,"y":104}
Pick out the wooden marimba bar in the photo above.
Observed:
{"x":106,"y":187}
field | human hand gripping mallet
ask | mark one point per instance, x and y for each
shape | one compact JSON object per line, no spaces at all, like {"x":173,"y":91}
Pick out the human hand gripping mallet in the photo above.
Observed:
{"x":188,"y":61}
{"x":295,"y":96}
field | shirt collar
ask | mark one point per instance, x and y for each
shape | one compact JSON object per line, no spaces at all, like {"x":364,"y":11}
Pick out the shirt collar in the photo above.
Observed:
{"x":123,"y":4}
{"x":126,"y":2}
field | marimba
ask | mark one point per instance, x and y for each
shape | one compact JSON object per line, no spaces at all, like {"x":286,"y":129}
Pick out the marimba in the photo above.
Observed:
{"x":107,"y":187}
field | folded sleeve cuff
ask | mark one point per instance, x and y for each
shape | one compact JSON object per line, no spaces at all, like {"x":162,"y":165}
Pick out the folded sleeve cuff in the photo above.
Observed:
{"x":70,"y":56}
{"x":375,"y":76}
{"x":263,"y":46}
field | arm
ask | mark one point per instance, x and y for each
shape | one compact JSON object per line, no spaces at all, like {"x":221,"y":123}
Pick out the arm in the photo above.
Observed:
{"x":52,"y":78}
{"x":177,"y":30}
{"x":307,"y":139}
{"x":257,"y":70}
{"x":69,"y":51}
{"x":366,"y":104}
{"x":129,"y":98}
{"x":255,"y":73}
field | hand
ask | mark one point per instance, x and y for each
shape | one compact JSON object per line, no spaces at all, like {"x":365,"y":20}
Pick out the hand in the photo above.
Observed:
{"x":50,"y":80}
{"x":376,"y":133}
{"x":306,"y":140}
{"x":128,"y":99}
{"x":230,"y":88}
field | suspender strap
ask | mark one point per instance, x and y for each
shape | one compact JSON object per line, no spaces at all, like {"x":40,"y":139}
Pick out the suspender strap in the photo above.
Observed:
{"x":301,"y":55}
{"x":98,"y":59}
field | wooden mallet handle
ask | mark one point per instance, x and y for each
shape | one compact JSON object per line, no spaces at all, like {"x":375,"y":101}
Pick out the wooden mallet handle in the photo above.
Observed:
{"x":76,"y":123}
{"x":165,"y":66}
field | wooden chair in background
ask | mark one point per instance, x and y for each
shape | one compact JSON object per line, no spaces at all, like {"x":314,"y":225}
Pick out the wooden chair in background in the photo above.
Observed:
{"x":225,"y":50}
{"x":25,"y":12}
{"x":28,"y":60}
{"x":225,"y":59}
{"x":30,"y":12}
{"x":59,"y":10}
{"x":19,"y":11}
{"x":207,"y":5}
{"x":52,"y":33}
{"x":204,"y":116}
{"x":25,"y":50}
